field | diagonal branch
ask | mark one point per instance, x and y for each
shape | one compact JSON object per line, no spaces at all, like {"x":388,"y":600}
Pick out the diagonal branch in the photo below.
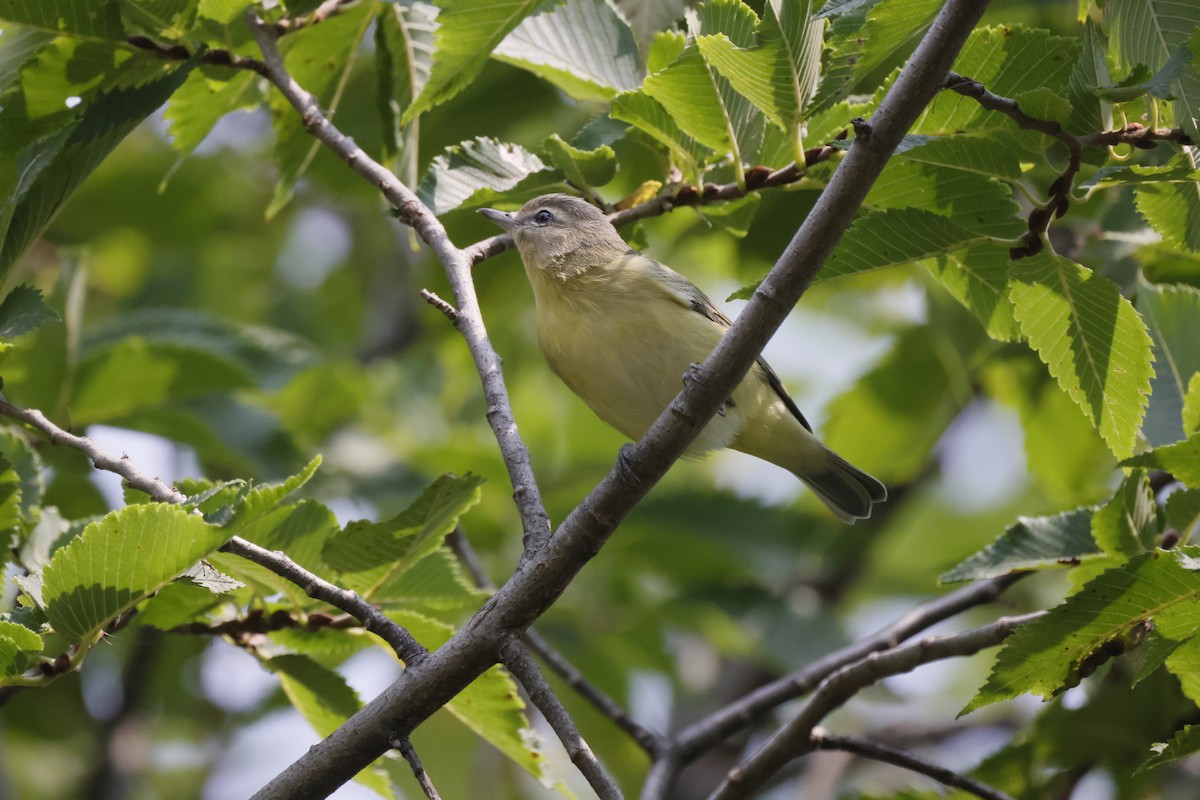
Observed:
{"x":822,"y":740}
{"x":411,"y":211}
{"x":406,"y":647}
{"x":796,"y":737}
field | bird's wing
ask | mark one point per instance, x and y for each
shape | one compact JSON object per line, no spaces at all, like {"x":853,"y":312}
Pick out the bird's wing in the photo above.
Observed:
{"x":687,"y":294}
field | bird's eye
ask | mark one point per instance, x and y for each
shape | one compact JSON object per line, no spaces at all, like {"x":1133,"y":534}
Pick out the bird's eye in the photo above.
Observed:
{"x":543,"y":217}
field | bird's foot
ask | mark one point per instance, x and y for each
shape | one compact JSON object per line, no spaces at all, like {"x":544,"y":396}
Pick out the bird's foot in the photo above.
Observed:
{"x":625,"y":465}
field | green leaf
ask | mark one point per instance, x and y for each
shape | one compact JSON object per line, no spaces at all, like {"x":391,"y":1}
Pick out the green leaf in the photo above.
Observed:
{"x":581,"y":46}
{"x":27,"y":463}
{"x":23,"y":310}
{"x":323,"y":697}
{"x":222,"y":11}
{"x":648,"y":115}
{"x":19,"y":649}
{"x":404,"y":48}
{"x":1149,"y":32}
{"x":1127,"y":525}
{"x":480,"y":170}
{"x":1183,"y":510}
{"x":1092,"y":340}
{"x":1184,"y":664}
{"x":118,"y":562}
{"x":136,"y":374}
{"x":94,"y":19}
{"x":175,"y":604}
{"x":1172,"y":314}
{"x":1088,"y":113}
{"x":437,"y":582}
{"x":1104,"y":619}
{"x":1140,"y":82}
{"x":372,"y":557}
{"x":1181,"y":459}
{"x":1173,"y":209}
{"x":468,"y":31}
{"x":1177,"y":170}
{"x":51,"y":169}
{"x":1191,"y":406}
{"x":1185,"y":743}
{"x":261,"y":500}
{"x":1032,"y":543}
{"x":1005,"y":59}
{"x":978,"y":278}
{"x":583,"y":168}
{"x":208,"y":94}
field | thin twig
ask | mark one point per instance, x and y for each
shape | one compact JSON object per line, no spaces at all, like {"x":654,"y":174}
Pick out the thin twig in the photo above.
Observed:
{"x":795,"y":738}
{"x":408,"y":648}
{"x":717,"y":727}
{"x":526,"y":670}
{"x":410,"y":755}
{"x":823,"y":740}
{"x":448,"y":311}
{"x":411,"y":211}
{"x":321,"y":13}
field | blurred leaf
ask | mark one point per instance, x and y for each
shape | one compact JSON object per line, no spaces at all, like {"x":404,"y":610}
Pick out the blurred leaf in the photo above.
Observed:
{"x":1184,"y":664}
{"x":19,"y":649}
{"x":647,"y":17}
{"x":1172,"y":314}
{"x":479,"y":171}
{"x":10,"y":500}
{"x":95,"y":19}
{"x":222,"y":11}
{"x":1191,"y":406}
{"x":1092,"y":340}
{"x":323,"y":697}
{"x":404,"y":48}
{"x":1183,"y":510}
{"x":734,"y":217}
{"x":119,"y":561}
{"x":372,"y":557}
{"x":23,"y":310}
{"x":1056,"y":652}
{"x":1185,"y":743}
{"x":1032,"y":543}
{"x":581,"y":46}
{"x":1181,"y":459}
{"x":1149,"y":32}
{"x":165,"y":18}
{"x":1127,"y":524}
{"x":1177,"y":170}
{"x":468,"y":31}
{"x":51,"y":169}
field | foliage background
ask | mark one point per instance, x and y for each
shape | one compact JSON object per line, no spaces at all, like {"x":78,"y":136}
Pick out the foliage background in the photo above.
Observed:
{"x":303,"y":332}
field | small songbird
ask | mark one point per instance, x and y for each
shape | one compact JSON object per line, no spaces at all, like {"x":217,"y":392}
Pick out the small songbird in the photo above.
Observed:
{"x":622,"y":331}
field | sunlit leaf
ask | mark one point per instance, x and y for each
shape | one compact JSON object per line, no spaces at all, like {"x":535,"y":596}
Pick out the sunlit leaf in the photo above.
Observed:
{"x":1149,"y":32}
{"x":19,"y":649}
{"x":95,"y":19}
{"x":1185,"y":743}
{"x":1032,"y":543}
{"x":479,"y":171}
{"x":1172,"y":314}
{"x":23,"y":310}
{"x":1181,"y":459}
{"x":1127,"y":524}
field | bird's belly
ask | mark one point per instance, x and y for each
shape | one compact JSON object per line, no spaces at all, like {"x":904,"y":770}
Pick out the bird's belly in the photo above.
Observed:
{"x":627,"y":370}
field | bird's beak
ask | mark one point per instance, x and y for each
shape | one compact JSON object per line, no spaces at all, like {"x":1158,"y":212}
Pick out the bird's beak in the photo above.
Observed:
{"x":502,"y":218}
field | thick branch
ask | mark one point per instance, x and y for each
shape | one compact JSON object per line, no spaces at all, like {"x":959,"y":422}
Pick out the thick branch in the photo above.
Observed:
{"x":796,"y":737}
{"x":469,"y":322}
{"x":408,"y":648}
{"x":875,"y":751}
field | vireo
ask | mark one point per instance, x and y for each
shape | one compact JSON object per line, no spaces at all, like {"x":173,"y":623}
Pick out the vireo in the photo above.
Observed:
{"x":622,"y":330}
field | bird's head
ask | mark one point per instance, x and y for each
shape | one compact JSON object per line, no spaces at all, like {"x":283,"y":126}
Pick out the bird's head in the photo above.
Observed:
{"x":560,"y":234}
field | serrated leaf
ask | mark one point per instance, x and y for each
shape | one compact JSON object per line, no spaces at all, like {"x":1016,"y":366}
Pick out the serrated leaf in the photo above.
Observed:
{"x":978,"y":202}
{"x":648,"y":115}
{"x":1032,"y":543}
{"x":1181,"y":459}
{"x":1177,"y":170}
{"x":1149,"y":32}
{"x":648,"y":17}
{"x":23,"y":310}
{"x":94,"y":19}
{"x":119,"y":561}
{"x":372,"y":557}
{"x":323,"y":697}
{"x":51,"y":169}
{"x":1127,"y":524}
{"x":1088,"y":113}
{"x":208,"y":577}
{"x":205,"y":97}
{"x":468,"y":31}
{"x":583,"y":168}
{"x":480,"y":170}
{"x":1044,"y":104}
{"x":1185,"y":743}
{"x":1172,"y":315}
{"x":19,"y":649}
{"x":977,"y":277}
{"x":404,"y":48}
{"x":581,"y":46}
{"x":1004,"y":59}
{"x":175,"y":604}
{"x":1091,"y":339}
{"x":1099,"y":622}
{"x":436,"y":582}
{"x":262,"y":500}
{"x":1191,"y":406}
{"x":1140,"y":82}
{"x":1184,"y":664}
{"x":1173,"y":209}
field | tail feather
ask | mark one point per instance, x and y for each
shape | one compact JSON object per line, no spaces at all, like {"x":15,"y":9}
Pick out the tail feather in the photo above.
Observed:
{"x":849,"y":492}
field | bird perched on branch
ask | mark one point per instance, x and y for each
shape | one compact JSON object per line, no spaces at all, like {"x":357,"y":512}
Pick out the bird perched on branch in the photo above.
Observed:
{"x":621,"y":330}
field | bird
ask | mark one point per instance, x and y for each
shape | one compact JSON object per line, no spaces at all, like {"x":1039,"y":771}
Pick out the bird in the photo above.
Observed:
{"x":621,"y":330}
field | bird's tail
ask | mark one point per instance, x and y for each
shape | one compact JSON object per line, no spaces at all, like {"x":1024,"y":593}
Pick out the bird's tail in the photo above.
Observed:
{"x":849,"y":492}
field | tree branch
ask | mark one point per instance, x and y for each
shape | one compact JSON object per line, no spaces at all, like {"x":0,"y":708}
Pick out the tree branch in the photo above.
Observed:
{"x":796,"y":737}
{"x":543,"y":576}
{"x":411,"y":211}
{"x":408,"y":648}
{"x":708,"y":732}
{"x":875,"y":751}
{"x":410,"y":755}
{"x":526,"y":670}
